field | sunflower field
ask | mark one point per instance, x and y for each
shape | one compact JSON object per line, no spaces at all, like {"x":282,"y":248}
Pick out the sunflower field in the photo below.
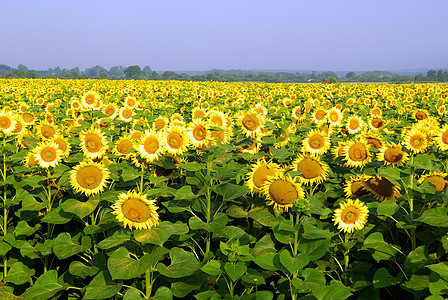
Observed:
{"x":169,"y":189}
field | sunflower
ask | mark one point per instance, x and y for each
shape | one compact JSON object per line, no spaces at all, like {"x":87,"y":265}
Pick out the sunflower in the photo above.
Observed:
{"x":160,"y":123}
{"x":110,"y":110}
{"x":126,"y":114}
{"x":376,"y":123}
{"x":354,"y":124}
{"x":135,"y":210}
{"x":339,"y":150}
{"x":420,"y":114}
{"x":28,"y":118}
{"x":436,"y":178}
{"x":176,"y":140}
{"x":30,"y":160}
{"x":312,"y":169}
{"x":123,"y":146}
{"x":381,"y":187}
{"x":351,"y":215}
{"x":357,"y":153}
{"x":18,"y":128}
{"x":89,"y":177}
{"x":63,"y":144}
{"x":376,"y":112}
{"x":199,"y":133}
{"x":151,"y":145}
{"x":90,"y":99}
{"x":319,"y":115}
{"x":316,"y":143}
{"x":282,"y":191}
{"x":392,"y":154}
{"x":47,"y":130}
{"x":354,"y":188}
{"x":7,"y":122}
{"x":93,"y":143}
{"x":251,"y":123}
{"x":335,"y":116}
{"x":198,"y":113}
{"x":130,"y":102}
{"x":47,"y":154}
{"x":442,"y":138}
{"x":259,"y":174}
{"x":297,"y":113}
{"x":373,"y":139}
{"x":416,"y":141}
{"x":223,"y":136}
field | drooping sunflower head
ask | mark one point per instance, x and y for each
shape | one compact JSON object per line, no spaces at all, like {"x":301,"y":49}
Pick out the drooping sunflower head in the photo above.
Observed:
{"x":282,"y":192}
{"x":354,"y":188}
{"x":151,"y":145}
{"x":373,"y":139}
{"x":134,"y":210}
{"x":381,"y":187}
{"x":259,"y":174}
{"x":416,"y":141}
{"x":351,"y":215}
{"x":357,"y":153}
{"x":420,"y":114}
{"x":47,"y":154}
{"x":376,"y":123}
{"x":89,"y":177}
{"x":93,"y":143}
{"x":63,"y":144}
{"x":316,"y":142}
{"x":313,"y":170}
{"x":442,"y":138}
{"x":437,"y":179}
{"x":392,"y":154}
{"x":176,"y":140}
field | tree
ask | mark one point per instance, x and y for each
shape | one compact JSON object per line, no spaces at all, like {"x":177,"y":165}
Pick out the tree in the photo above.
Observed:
{"x":350,"y":75}
{"x":147,"y":70}
{"x":95,"y":71}
{"x":332,"y":80}
{"x":134,"y":72}
{"x":432,"y":75}
{"x":22,"y":68}
{"x":117,"y":71}
{"x":442,"y":76}
{"x":4,"y":69}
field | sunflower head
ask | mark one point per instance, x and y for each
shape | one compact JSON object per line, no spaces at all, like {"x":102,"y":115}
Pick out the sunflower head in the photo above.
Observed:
{"x":251,"y":123}
{"x":151,"y":145}
{"x":437,"y":179}
{"x":259,"y":174}
{"x":199,"y":133}
{"x":381,"y":187}
{"x":357,"y":154}
{"x":47,"y":154}
{"x":93,"y":143}
{"x":176,"y":140}
{"x":316,"y":142}
{"x":354,"y":188}
{"x":124,"y":146}
{"x":89,"y":177}
{"x":135,"y":210}
{"x":351,"y":215}
{"x":416,"y":141}
{"x":312,"y":169}
{"x":393,"y":155}
{"x":282,"y":192}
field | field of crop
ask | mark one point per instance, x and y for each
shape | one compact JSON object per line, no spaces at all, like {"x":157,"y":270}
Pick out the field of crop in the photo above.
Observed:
{"x":165,"y":189}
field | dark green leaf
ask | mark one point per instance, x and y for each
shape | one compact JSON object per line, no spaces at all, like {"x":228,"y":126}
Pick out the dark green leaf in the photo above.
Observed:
{"x":379,"y":249}
{"x":235,"y":270}
{"x":416,"y":283}
{"x":185,"y":286}
{"x":192,"y":166}
{"x":437,"y":216}
{"x":293,"y":263}
{"x":122,"y":266}
{"x":231,"y":191}
{"x":387,"y":208}
{"x":159,"y":235}
{"x":19,"y":274}
{"x":382,"y":279}
{"x":64,"y":247}
{"x":184,"y":193}
{"x":315,"y":249}
{"x":213,"y":267}
{"x":113,"y":241}
{"x":218,"y":223}
{"x":265,"y":295}
{"x":24,"y":229}
{"x":262,"y":216}
{"x":79,"y":208}
{"x":183,"y":264}
{"x":267,"y":261}
{"x":102,"y":287}
{"x":441,"y":269}
{"x":163,"y":293}
{"x":45,"y":287}
{"x":331,"y":292}
{"x":77,"y":268}
{"x":57,"y":216}
{"x":416,"y":259}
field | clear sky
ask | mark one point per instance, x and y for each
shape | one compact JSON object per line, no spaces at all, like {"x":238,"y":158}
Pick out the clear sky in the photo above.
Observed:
{"x":174,"y":35}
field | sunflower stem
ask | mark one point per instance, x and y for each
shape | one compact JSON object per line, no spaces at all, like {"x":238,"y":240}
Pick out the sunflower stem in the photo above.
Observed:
{"x":5,"y":209}
{"x":411,"y":205}
{"x":346,"y":259}
{"x":208,"y":208}
{"x":141,"y":178}
{"x":149,"y":281}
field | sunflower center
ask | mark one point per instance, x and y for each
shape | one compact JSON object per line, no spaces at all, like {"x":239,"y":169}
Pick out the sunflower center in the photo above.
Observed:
{"x":89,"y":177}
{"x":416,"y":142}
{"x":127,"y":113}
{"x":377,"y":123}
{"x":159,"y":124}
{"x":136,"y":210}
{"x":175,"y":140}
{"x":445,"y":137}
{"x":110,"y":111}
{"x":309,"y":168}
{"x":350,"y":215}
{"x":47,"y":131}
{"x":93,"y":143}
{"x":382,"y":186}
{"x":316,"y":141}
{"x":124,"y":147}
{"x":151,"y":145}
{"x":251,"y":122}
{"x":319,"y":115}
{"x":261,"y":175}
{"x":420,"y":115}
{"x":90,"y":99}
{"x":357,"y":152}
{"x":27,"y":117}
{"x":199,"y":133}
{"x":438,"y":181}
{"x":393,"y":155}
{"x":334,"y":117}
{"x":283,"y":192}
{"x":48,"y":154}
{"x":354,"y":124}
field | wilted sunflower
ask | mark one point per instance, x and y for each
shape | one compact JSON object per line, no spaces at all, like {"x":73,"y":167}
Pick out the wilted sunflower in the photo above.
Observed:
{"x":416,"y":141}
{"x":316,"y":143}
{"x":123,"y":146}
{"x":442,"y":138}
{"x":282,"y":191}
{"x":151,"y":145}
{"x":357,"y":153}
{"x":259,"y":174}
{"x":381,"y":187}
{"x":89,"y":177}
{"x":436,"y":178}
{"x":251,"y":123}
{"x":354,"y":124}
{"x":312,"y":169}
{"x":176,"y":140}
{"x":63,"y":144}
{"x":93,"y":143}
{"x":47,"y":130}
{"x":47,"y":154}
{"x":420,"y":114}
{"x":335,"y":116}
{"x":199,"y":133}
{"x":160,"y":123}
{"x":134,"y":210}
{"x":351,"y":215}
{"x":392,"y":154}
{"x":354,"y":188}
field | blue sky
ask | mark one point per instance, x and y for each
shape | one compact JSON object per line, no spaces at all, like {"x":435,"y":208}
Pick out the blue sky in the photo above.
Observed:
{"x":236,"y":34}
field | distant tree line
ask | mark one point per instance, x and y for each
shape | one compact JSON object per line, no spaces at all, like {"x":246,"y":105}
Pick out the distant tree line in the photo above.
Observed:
{"x":137,"y":73}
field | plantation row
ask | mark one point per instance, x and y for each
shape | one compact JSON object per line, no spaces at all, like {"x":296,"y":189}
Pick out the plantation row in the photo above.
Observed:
{"x":162,"y":190}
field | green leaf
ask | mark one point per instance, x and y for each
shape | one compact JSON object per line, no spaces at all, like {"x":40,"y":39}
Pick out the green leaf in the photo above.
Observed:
{"x":313,"y":280}
{"x":29,"y":203}
{"x":115,"y":240}
{"x":379,"y":249}
{"x":63,"y":246}
{"x":163,"y":293}
{"x":235,"y":271}
{"x":184,"y":193}
{"x":265,"y":295}
{"x":387,"y":208}
{"x":102,"y":287}
{"x":79,"y":269}
{"x":23,"y":229}
{"x":267,"y":261}
{"x":4,"y":246}
{"x":213,"y":267}
{"x":437,"y":216}
{"x":382,"y":278}
{"x":159,"y":235}
{"x":437,"y":285}
{"x":236,"y":211}
{"x":264,"y":245}
{"x":253,"y":277}
{"x":293,"y":264}
{"x":182,"y":288}
{"x":208,"y":295}
{"x":421,"y":161}
{"x":218,"y":223}
{"x":57,"y":216}
{"x":133,"y":294}
{"x":122,"y":266}
{"x":416,"y":283}
{"x":417,"y":259}
{"x":441,"y":269}
{"x":262,"y":215}
{"x":280,"y":153}
{"x":330,"y":292}
{"x":192,"y":166}
{"x":183,"y":264}
{"x":231,"y":191}
{"x":45,"y":287}
{"x":434,"y":297}
{"x":19,"y":274}
{"x":78,"y":208}
{"x":315,"y":249}
{"x":313,"y":233}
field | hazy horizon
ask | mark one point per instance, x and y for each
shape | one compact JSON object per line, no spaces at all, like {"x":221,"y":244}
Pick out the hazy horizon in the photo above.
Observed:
{"x":201,"y":35}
